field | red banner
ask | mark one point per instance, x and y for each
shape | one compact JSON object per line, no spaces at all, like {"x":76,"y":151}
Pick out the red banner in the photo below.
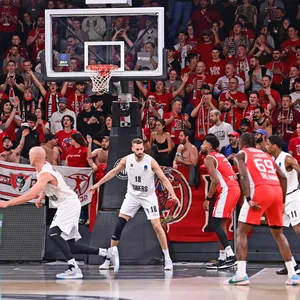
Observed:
{"x":189,"y":222}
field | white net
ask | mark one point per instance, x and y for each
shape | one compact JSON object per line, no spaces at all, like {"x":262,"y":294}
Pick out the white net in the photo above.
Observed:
{"x":100,"y":76}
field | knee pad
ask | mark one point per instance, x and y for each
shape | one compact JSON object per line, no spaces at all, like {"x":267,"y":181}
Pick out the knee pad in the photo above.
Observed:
{"x":118,"y":229}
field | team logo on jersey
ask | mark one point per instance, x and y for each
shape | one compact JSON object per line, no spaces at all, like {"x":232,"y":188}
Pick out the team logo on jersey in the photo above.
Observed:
{"x":122,"y":175}
{"x":145,"y":167}
{"x":82,"y":183}
{"x":170,"y":212}
{"x":20,"y":182}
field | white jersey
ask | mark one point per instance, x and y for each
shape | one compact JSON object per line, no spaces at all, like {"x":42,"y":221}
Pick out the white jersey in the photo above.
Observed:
{"x":58,"y":194}
{"x":140,"y":176}
{"x":292,"y":176}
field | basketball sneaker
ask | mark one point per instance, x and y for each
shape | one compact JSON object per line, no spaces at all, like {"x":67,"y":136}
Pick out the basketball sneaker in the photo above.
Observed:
{"x":215,"y":265}
{"x":293,"y":280}
{"x":168,"y":265}
{"x":284,"y":271}
{"x":71,"y":273}
{"x":107,"y":265}
{"x":229,"y":262}
{"x":237,"y":280}
{"x":113,"y":254}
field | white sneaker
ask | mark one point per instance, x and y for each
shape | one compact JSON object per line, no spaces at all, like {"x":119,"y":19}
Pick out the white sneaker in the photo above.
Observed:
{"x":168,"y":265}
{"x":71,"y":273}
{"x":106,"y":265}
{"x":113,"y":254}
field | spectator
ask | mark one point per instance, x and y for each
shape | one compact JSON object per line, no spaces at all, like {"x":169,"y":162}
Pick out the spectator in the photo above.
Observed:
{"x":10,"y":155}
{"x":149,"y":109}
{"x":64,"y":136}
{"x":173,"y":84}
{"x":242,"y":63}
{"x":296,"y":95}
{"x":173,"y":64}
{"x":220,"y":129}
{"x":11,"y":83}
{"x":206,"y":45}
{"x":100,"y":155}
{"x":222,"y":84}
{"x":269,"y":98}
{"x":51,"y":149}
{"x":253,"y":103}
{"x":89,"y":121}
{"x":150,"y":36}
{"x":14,"y":55}
{"x":190,"y":69}
{"x":289,"y":46}
{"x":262,"y":122}
{"x":267,"y":11}
{"x":192,"y":39}
{"x":26,"y":25}
{"x":294,"y":145}
{"x":277,"y":28}
{"x":285,"y":120}
{"x":97,"y":138}
{"x":31,"y":140}
{"x":161,"y":143}
{"x":42,"y":126}
{"x":245,"y":126}
{"x":261,"y":139}
{"x":216,"y":66}
{"x":231,"y":115}
{"x":56,"y":118}
{"x":232,"y":148}
{"x":182,"y":49}
{"x":288,"y":83}
{"x":256,"y":73}
{"x":187,"y":153}
{"x":202,"y":120}
{"x":297,"y":60}
{"x":249,"y":11}
{"x":76,"y":26}
{"x":95,"y":27}
{"x":3,"y":134}
{"x":76,"y":98}
{"x":238,"y":99}
{"x":261,"y":49}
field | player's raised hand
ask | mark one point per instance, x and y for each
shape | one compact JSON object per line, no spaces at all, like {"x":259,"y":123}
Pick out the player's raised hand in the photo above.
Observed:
{"x":3,"y":204}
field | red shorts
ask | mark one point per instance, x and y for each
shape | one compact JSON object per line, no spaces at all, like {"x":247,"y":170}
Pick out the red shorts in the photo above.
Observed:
{"x":270,"y":199}
{"x":226,"y":202}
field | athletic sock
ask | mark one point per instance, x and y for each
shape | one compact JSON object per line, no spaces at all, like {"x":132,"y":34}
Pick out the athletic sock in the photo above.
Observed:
{"x":102,"y":252}
{"x":294,"y":262}
{"x":73,"y":263}
{"x":290,"y":268}
{"x":222,"y":255}
{"x":241,"y":268}
{"x":229,"y":251}
{"x":166,"y":254}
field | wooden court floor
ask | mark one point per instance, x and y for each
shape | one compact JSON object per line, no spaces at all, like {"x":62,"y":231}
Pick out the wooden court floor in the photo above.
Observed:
{"x":186,"y":282}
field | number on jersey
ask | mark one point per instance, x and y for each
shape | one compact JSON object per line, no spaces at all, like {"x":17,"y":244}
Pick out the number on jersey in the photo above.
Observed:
{"x":266,"y":168}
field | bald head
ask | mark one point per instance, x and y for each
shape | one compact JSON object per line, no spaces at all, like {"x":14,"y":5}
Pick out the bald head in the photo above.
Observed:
{"x":37,"y":154}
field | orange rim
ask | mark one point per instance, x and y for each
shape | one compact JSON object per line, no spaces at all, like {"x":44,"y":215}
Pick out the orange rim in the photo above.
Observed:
{"x":101,"y":68}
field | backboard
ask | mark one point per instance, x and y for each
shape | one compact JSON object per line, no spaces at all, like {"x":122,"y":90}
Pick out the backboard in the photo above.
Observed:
{"x":131,"y":38}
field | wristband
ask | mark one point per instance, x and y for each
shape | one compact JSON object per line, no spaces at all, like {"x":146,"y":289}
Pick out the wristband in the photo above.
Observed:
{"x":208,"y":198}
{"x":248,"y":198}
{"x":178,"y":154}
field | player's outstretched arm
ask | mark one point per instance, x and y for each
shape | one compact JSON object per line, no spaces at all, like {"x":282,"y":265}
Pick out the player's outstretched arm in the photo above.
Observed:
{"x":283,"y":182}
{"x":112,"y":173}
{"x":35,"y":190}
{"x":167,"y":184}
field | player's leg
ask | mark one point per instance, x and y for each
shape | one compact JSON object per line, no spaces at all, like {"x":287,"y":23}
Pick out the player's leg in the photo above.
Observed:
{"x":79,"y":248}
{"x":74,"y":271}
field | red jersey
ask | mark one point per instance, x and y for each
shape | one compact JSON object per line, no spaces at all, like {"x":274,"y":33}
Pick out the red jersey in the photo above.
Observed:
{"x":264,"y":100}
{"x":39,"y":43}
{"x":175,"y":127}
{"x":11,"y":130}
{"x":261,"y":168}
{"x":75,"y":102}
{"x":3,"y":134}
{"x":205,"y":51}
{"x":287,"y":46}
{"x":64,"y":141}
{"x":294,"y":146}
{"x":162,"y":99}
{"x":249,"y":112}
{"x":225,"y":172}
{"x":7,"y":25}
{"x":51,"y":104}
{"x":39,"y":129}
{"x":216,"y":69}
{"x":280,"y":65}
{"x":239,"y":96}
{"x":77,"y":157}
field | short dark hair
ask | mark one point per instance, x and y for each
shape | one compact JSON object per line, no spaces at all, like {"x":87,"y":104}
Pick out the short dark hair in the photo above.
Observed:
{"x":288,"y":96}
{"x":276,"y":140}
{"x":261,"y":109}
{"x":248,"y":139}
{"x":254,"y":92}
{"x":213,"y":140}
{"x":191,"y":56}
{"x":31,"y":117}
{"x":186,"y":132}
{"x":11,"y":61}
{"x":137,"y":141}
{"x":268,"y":76}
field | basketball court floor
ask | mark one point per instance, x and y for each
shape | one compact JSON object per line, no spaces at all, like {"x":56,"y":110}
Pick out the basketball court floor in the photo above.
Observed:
{"x":187,"y":282}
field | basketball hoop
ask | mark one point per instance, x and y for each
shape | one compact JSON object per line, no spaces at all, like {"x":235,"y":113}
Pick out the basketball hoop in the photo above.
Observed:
{"x":100,"y":77}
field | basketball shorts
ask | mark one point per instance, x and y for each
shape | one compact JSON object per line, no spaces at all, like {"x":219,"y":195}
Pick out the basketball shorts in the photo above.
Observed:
{"x":67,"y":218}
{"x":291,"y":215}
{"x":226,"y":202}
{"x":132,"y":204}
{"x":270,"y":200}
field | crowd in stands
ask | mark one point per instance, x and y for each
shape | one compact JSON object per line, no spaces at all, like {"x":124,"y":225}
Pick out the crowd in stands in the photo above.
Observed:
{"x":233,"y":67}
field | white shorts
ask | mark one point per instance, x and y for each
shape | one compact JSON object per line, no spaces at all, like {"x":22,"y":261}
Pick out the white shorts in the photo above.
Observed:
{"x":291,"y":215}
{"x":67,"y":218}
{"x":132,"y":204}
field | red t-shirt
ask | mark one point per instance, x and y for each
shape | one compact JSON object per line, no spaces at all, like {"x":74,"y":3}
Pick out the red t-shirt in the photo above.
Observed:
{"x":264,"y":101}
{"x":7,"y":25}
{"x":205,"y":51}
{"x":287,"y":45}
{"x":162,"y":99}
{"x":277,"y":79}
{"x":64,"y":141}
{"x":39,"y":43}
{"x":249,"y":112}
{"x":3,"y":96}
{"x":186,"y":70}
{"x":294,"y":146}
{"x":175,"y":127}
{"x":75,"y":102}
{"x":216,"y":69}
{"x":240,"y":97}
{"x":39,"y":129}
{"x":11,"y":130}
{"x":77,"y":157}
{"x":3,"y":134}
{"x":54,"y":105}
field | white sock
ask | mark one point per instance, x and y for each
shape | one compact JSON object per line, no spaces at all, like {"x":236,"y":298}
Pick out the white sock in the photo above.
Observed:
{"x":290,"y":268}
{"x":102,"y":252}
{"x":222,"y":255}
{"x":241,"y":268}
{"x":294,"y":262}
{"x":73,"y":263}
{"x":166,"y":254}
{"x":229,"y":251}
